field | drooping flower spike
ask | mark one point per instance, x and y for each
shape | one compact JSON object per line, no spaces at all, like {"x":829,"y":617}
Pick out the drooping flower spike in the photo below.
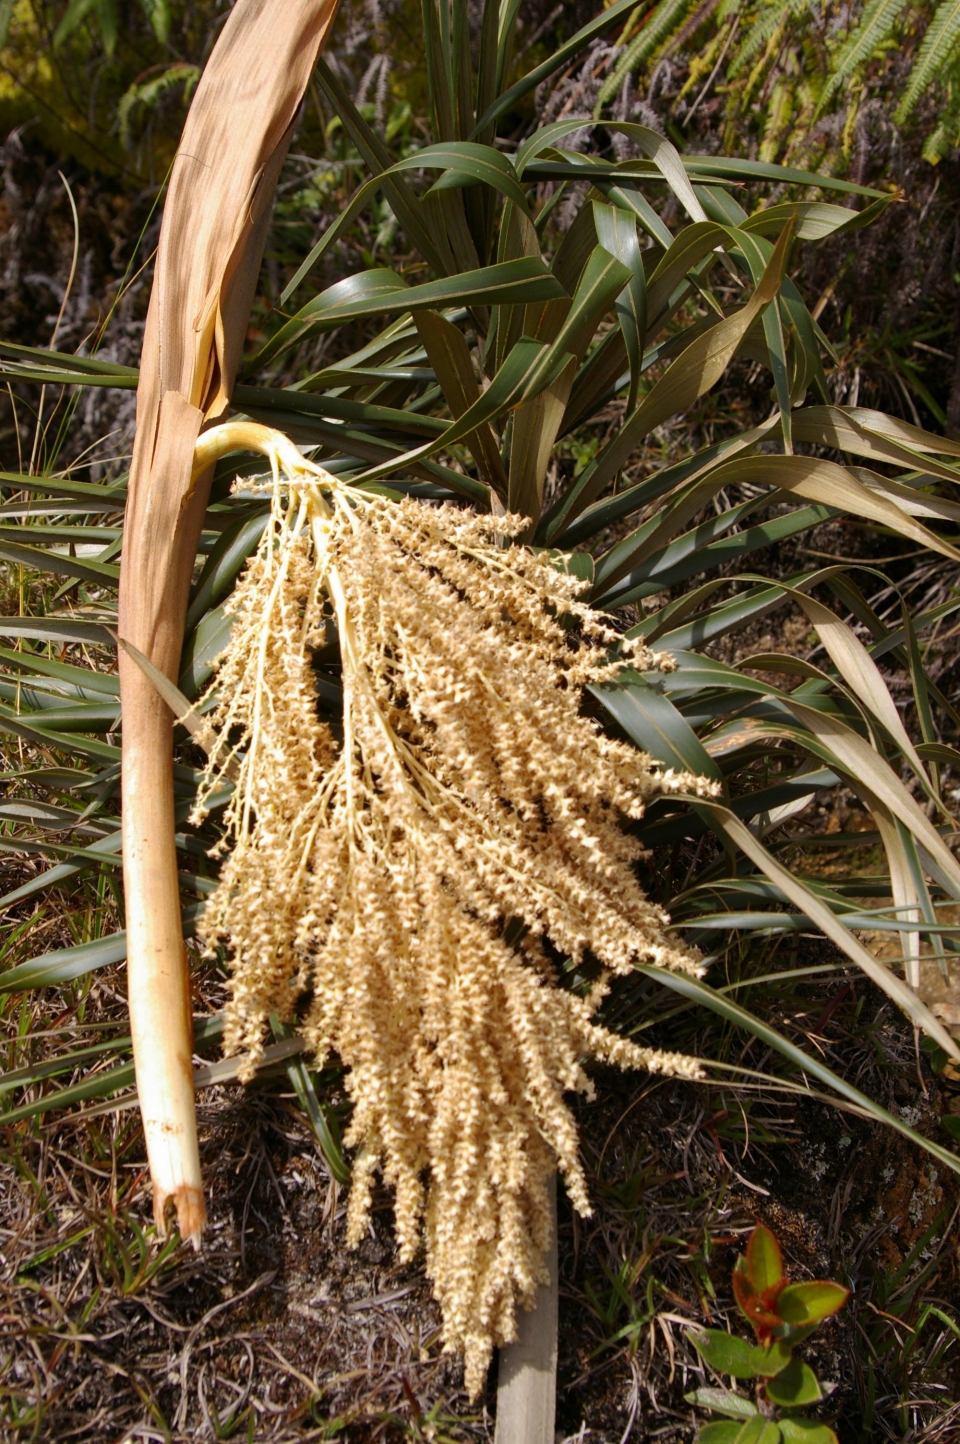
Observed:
{"x":404,"y":886}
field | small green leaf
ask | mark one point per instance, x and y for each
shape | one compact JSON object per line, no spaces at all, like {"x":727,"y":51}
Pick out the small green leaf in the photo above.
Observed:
{"x":796,"y":1385}
{"x":723,"y":1401}
{"x":719,"y":1432}
{"x":764,"y":1259}
{"x":810,"y":1302}
{"x":725,"y":1353}
{"x":806,"y":1431}
{"x":752,"y":1431}
{"x":773,"y":1360}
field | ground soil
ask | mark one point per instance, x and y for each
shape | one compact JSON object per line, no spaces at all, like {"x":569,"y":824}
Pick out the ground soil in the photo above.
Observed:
{"x":276,"y":1332}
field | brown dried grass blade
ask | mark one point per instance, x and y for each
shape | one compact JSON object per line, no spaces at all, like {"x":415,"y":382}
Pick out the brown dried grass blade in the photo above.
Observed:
{"x":211,"y":244}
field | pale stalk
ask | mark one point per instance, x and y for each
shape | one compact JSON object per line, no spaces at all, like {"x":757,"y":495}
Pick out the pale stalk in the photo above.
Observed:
{"x":215,"y":221}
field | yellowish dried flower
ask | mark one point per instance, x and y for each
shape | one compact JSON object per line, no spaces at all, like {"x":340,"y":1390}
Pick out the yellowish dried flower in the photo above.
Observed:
{"x":373,"y":875}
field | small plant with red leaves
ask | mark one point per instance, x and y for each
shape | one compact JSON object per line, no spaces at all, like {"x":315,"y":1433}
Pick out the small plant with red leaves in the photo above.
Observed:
{"x":781,"y":1315}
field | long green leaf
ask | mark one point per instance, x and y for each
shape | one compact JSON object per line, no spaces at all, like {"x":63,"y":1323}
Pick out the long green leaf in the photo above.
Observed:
{"x":808,"y":903}
{"x":50,"y":970}
{"x":382,"y":292}
{"x":573,"y":47}
{"x":701,"y":993}
{"x":695,"y":372}
{"x":652,"y":721}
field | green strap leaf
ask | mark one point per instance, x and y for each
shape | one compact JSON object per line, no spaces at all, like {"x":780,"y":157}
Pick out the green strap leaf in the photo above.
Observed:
{"x":702,"y":994}
{"x":468,"y":160}
{"x":725,"y":168}
{"x":382,"y":292}
{"x":64,"y":965}
{"x":449,"y":356}
{"x":77,"y":681}
{"x":520,"y":375}
{"x":536,"y":424}
{"x":42,"y":560}
{"x":696,"y":371}
{"x":654,"y":724}
{"x":573,"y":47}
{"x":807,"y":902}
{"x":29,"y":727}
{"x":55,"y":629}
{"x":617,"y":233}
{"x":378,"y":160}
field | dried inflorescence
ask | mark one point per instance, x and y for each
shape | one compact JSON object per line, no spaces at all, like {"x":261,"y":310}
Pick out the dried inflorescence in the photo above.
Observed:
{"x":393,"y":886}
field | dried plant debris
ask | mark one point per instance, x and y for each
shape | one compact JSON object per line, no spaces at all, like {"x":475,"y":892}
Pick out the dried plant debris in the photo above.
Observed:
{"x":372,"y":868}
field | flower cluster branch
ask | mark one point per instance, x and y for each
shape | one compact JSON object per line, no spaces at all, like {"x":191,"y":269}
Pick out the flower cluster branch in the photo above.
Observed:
{"x":401,"y":886}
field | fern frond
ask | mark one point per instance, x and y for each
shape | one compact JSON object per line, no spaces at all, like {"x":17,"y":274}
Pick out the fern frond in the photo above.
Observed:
{"x":874,"y":28}
{"x":158,"y":13}
{"x":665,"y":20}
{"x":150,"y":92}
{"x":938,"y":48}
{"x":757,"y":37}
{"x":945,"y":136}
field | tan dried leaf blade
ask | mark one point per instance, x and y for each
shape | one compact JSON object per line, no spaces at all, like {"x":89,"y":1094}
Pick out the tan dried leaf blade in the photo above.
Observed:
{"x":211,"y":243}
{"x":371,"y":873}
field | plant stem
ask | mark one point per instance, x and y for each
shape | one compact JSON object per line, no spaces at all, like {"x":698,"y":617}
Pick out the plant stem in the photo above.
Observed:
{"x":215,"y":221}
{"x":154,"y":593}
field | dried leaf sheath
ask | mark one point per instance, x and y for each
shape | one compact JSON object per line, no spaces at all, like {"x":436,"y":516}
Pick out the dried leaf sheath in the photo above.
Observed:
{"x":211,"y":243}
{"x":371,"y":871}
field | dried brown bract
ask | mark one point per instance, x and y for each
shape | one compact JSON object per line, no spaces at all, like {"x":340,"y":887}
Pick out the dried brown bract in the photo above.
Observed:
{"x":376,"y":878}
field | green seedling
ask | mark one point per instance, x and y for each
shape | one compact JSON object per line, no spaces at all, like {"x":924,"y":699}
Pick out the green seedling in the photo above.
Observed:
{"x":782,"y":1315}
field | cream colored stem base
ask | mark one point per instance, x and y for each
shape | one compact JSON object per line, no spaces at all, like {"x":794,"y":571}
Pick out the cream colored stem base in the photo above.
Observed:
{"x":157,"y":973}
{"x":158,"y":982}
{"x":527,"y":1374}
{"x":215,"y":221}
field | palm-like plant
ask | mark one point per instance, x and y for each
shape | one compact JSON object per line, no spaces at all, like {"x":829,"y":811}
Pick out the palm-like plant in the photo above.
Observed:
{"x":530,"y":345}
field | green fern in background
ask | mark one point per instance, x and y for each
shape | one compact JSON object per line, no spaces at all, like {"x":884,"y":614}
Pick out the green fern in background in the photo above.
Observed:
{"x":105,"y":16}
{"x":938,"y":62}
{"x":781,"y":68}
{"x":874,"y":30}
{"x":658,"y":29}
{"x":799,"y":61}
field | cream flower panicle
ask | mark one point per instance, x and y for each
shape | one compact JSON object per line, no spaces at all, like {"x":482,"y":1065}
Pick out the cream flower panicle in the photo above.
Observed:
{"x":392,"y":886}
